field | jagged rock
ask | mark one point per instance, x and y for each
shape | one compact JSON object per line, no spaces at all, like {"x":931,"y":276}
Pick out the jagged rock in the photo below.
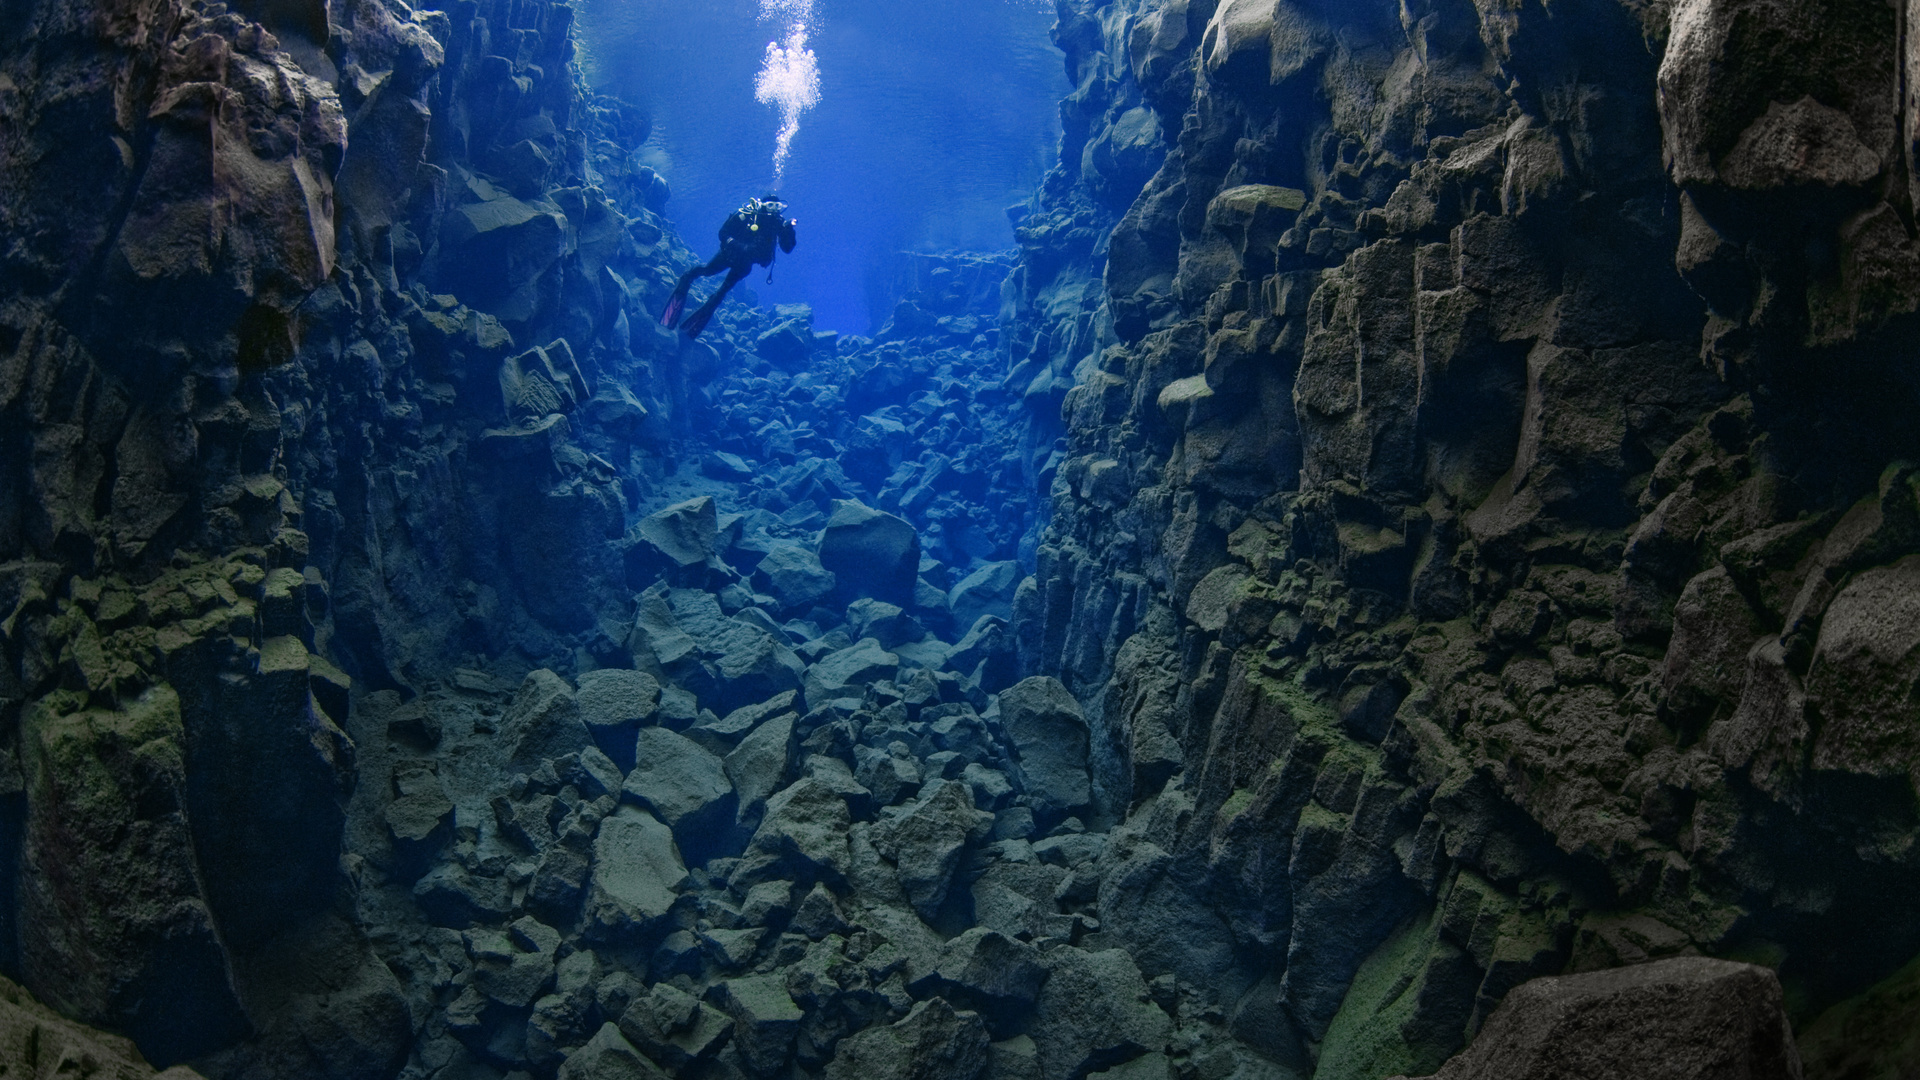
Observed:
{"x":1144,"y":1067}
{"x":1866,"y":1032}
{"x":802,"y":835}
{"x":1049,"y":732}
{"x":684,"y":785}
{"x":925,"y":842}
{"x":590,"y":773}
{"x":986,"y":966}
{"x":818,"y":915}
{"x":721,"y":734}
{"x":758,"y":766}
{"x":847,"y":672}
{"x":1866,"y":672}
{"x":891,"y":774}
{"x":614,"y":697}
{"x":932,"y":1042}
{"x":421,"y":804}
{"x":767,"y":904}
{"x":871,"y":553}
{"x":787,"y":344}
{"x":675,"y":1028}
{"x":558,"y":883}
{"x":765,"y":1019}
{"x":1684,"y":1017}
{"x":513,"y":969}
{"x":734,"y":950}
{"x":724,"y":466}
{"x":609,"y":1056}
{"x":636,"y":876}
{"x":543,"y":722}
{"x":986,"y":655}
{"x":1015,"y":898}
{"x":987,"y":591}
{"x":450,"y":896}
{"x":1014,"y":1059}
{"x":540,"y":383}
{"x":685,"y":534}
{"x":991,"y":788}
{"x":613,"y":703}
{"x":1166,"y":925}
{"x":1094,"y":1010}
{"x":502,"y":232}
{"x":886,"y":623}
{"x":794,"y":576}
{"x":839,"y":779}
{"x":1070,"y":849}
{"x":753,"y":665}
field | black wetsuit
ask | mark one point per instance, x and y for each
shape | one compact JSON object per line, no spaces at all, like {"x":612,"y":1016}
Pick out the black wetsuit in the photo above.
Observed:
{"x":747,"y":240}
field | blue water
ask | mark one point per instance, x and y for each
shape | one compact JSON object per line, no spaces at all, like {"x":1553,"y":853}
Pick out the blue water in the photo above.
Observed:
{"x":935,"y":116}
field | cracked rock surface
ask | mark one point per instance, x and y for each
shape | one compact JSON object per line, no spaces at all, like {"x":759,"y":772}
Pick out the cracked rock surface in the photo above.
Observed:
{"x":1409,"y":568}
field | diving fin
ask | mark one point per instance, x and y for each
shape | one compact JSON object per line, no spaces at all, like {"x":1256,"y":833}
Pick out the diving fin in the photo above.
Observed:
{"x":697,"y":322}
{"x":675,"y":307}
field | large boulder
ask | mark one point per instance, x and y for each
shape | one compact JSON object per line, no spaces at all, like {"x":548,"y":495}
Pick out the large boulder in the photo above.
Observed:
{"x":1689,"y":1017}
{"x":803,"y":835}
{"x":1866,"y":675}
{"x":932,"y":1042}
{"x":685,"y":786}
{"x":758,"y":766}
{"x":637,"y":873}
{"x":1094,"y":1010}
{"x":543,"y":722}
{"x":871,"y":553}
{"x":675,"y":1028}
{"x":609,"y":1056}
{"x":765,"y":1019}
{"x":684,"y":534}
{"x":987,"y":591}
{"x":1049,"y":733}
{"x":926,"y":842}
{"x":848,"y":672}
{"x":794,"y":576}
{"x":613,"y":703}
{"x":989,"y":969}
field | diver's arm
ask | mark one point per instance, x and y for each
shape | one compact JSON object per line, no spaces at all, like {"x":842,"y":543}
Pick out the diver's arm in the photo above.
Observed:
{"x":788,"y":238}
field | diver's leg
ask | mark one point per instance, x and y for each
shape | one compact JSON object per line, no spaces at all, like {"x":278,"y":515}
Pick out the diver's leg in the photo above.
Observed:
{"x":699,"y":319}
{"x":678,"y":302}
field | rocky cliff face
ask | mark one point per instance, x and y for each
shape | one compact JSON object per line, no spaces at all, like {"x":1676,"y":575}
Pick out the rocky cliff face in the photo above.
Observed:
{"x":262,"y":410}
{"x":1485,"y":517}
{"x":1460,"y":449}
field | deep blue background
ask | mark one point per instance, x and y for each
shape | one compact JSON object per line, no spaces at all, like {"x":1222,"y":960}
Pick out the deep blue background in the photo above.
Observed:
{"x":935,"y":116}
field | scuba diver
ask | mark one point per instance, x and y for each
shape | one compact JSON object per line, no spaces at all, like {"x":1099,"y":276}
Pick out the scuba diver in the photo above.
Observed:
{"x":747,"y":238}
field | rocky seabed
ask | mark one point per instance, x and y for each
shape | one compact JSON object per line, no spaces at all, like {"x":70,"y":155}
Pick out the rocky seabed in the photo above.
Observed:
{"x":1409,"y":569}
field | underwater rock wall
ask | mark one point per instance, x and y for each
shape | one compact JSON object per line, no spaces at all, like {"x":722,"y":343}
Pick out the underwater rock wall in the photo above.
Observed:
{"x":1460,"y":450}
{"x":317,"y":367}
{"x":345,"y":415}
{"x":1486,"y":516}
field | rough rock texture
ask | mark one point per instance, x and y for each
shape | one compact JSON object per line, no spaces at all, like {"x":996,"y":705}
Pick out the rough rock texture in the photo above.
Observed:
{"x":1434,"y":508}
{"x":36,"y":1041}
{"x":1485,"y":510}
{"x":1685,"y":1017}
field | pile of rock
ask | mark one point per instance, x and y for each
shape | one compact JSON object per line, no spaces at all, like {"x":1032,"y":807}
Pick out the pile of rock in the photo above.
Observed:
{"x":792,"y":835}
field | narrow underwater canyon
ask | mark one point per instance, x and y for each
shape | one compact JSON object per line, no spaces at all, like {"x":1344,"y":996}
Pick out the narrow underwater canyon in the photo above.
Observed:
{"x":1412,"y":565}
